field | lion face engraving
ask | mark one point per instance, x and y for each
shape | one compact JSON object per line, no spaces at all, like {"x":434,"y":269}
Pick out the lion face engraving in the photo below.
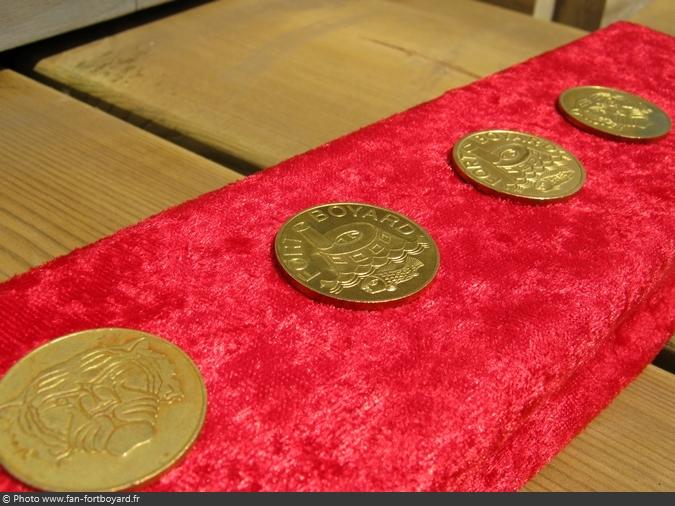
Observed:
{"x":105,"y":400}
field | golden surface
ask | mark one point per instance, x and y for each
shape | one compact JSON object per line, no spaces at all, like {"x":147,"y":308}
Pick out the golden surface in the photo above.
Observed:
{"x":518,"y":164}
{"x":356,"y":253}
{"x":613,"y":112}
{"x":103,"y":409}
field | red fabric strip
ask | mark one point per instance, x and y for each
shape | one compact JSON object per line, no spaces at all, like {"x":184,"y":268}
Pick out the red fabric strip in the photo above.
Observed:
{"x":539,"y":314}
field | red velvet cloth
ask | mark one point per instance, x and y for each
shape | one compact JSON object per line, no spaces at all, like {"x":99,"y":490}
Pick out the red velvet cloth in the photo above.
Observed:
{"x":539,"y":315}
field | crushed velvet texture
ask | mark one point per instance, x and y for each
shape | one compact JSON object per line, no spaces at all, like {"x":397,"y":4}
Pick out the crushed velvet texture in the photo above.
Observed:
{"x":539,"y":314}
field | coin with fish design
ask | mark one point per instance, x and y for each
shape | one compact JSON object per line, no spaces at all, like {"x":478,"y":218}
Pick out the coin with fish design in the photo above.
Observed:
{"x":613,"y":112}
{"x":100,"y":410}
{"x":356,"y":253}
{"x":518,"y":164}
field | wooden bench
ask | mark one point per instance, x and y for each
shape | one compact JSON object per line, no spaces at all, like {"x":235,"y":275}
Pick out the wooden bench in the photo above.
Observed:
{"x":26,"y":21}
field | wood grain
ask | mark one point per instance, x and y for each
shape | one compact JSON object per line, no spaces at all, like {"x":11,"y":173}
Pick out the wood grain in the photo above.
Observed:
{"x":262,"y":81}
{"x":24,"y":21}
{"x":524,"y":6}
{"x":616,"y":10}
{"x":629,"y":447}
{"x":659,"y":15}
{"x":72,"y":174}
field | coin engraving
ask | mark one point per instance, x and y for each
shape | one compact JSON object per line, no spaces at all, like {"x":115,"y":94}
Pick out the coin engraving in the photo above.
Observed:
{"x":614,"y":112}
{"x":356,"y":252}
{"x":104,"y":409}
{"x":104,"y":400}
{"x":610,"y":109}
{"x":518,"y":164}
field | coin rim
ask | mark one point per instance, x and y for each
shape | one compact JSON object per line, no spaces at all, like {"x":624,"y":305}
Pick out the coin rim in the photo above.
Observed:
{"x":606,"y":133}
{"x":489,"y":189}
{"x":147,"y":478}
{"x":315,"y":294}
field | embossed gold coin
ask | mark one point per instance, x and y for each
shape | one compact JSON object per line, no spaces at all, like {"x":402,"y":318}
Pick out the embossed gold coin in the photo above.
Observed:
{"x":518,"y":164}
{"x":614,"y":112}
{"x":356,"y":253}
{"x":99,"y":410}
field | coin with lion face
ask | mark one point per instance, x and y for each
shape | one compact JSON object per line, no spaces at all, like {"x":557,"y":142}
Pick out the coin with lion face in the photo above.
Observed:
{"x":104,"y":409}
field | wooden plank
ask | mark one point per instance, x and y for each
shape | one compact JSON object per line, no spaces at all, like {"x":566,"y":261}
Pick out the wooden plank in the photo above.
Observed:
{"x":25,"y":21}
{"x":265,"y":80}
{"x":659,"y":15}
{"x":72,"y":174}
{"x":525,"y":6}
{"x":144,"y":4}
{"x":628,"y":447}
{"x":616,"y":10}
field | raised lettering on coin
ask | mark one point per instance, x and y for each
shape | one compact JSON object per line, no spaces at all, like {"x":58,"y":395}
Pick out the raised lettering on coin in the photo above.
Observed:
{"x":518,"y":164}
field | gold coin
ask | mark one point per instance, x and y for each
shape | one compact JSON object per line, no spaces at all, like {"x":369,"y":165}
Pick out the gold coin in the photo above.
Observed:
{"x":614,"y":113}
{"x":99,"y":410}
{"x":356,"y":253}
{"x":518,"y":164}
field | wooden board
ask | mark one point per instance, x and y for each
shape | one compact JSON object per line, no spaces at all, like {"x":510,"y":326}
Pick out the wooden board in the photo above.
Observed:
{"x":629,"y":447}
{"x":659,"y":15}
{"x":72,"y":174}
{"x":262,"y":81}
{"x":25,"y":21}
{"x":524,"y":6}
{"x":616,"y":10}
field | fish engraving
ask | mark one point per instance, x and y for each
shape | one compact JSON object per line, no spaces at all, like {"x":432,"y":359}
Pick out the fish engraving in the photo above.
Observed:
{"x":366,"y":255}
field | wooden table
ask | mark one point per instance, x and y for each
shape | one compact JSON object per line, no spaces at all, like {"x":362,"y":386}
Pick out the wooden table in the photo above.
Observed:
{"x":251,"y":84}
